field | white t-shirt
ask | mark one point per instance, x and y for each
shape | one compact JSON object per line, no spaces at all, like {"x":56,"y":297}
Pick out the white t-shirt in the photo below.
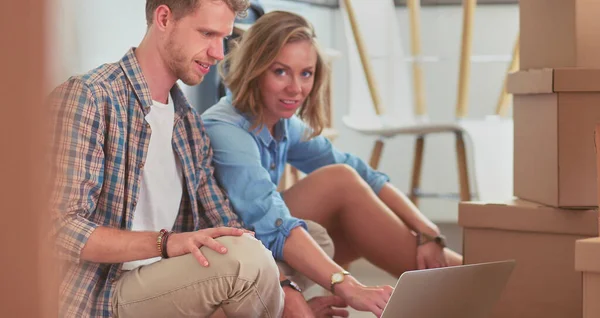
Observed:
{"x":162,"y":179}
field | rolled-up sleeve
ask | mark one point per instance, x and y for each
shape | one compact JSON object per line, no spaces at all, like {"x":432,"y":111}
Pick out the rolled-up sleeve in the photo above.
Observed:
{"x":254,"y":197}
{"x":77,"y":167}
{"x":310,"y":155}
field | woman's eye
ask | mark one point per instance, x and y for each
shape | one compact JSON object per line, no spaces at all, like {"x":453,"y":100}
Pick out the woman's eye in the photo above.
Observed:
{"x":280,"y":71}
{"x":307,"y":74}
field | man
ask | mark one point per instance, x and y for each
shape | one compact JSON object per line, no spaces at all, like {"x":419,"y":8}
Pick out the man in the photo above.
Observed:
{"x":132,"y":162}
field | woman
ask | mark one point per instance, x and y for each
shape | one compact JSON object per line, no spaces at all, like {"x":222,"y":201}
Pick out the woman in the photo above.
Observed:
{"x":274,"y":115}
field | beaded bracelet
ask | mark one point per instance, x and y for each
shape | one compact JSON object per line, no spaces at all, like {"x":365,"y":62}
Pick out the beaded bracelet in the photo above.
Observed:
{"x":161,"y":241}
{"x":163,"y":250}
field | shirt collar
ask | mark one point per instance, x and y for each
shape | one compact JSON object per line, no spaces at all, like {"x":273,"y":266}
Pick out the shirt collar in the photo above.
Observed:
{"x":133,"y":71}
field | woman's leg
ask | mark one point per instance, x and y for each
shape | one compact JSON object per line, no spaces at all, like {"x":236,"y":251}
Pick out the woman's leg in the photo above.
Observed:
{"x":359,"y":223}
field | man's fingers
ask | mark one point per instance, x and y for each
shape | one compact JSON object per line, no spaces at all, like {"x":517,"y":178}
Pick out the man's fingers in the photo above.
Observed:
{"x":249,"y":232}
{"x":198,"y":255}
{"x":214,"y":245}
{"x":333,"y":300}
{"x":333,"y":312}
{"x":225,"y":231}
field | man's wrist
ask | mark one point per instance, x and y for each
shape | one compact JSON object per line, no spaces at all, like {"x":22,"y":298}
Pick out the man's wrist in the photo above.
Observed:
{"x":288,"y":285}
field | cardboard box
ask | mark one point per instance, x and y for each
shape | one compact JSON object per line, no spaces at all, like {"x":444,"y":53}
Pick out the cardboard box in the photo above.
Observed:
{"x":587,"y":261}
{"x":559,"y":33}
{"x":555,"y":114}
{"x":542,"y":241}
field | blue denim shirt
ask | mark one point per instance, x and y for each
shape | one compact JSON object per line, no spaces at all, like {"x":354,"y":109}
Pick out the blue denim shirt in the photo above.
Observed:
{"x":249,"y":164}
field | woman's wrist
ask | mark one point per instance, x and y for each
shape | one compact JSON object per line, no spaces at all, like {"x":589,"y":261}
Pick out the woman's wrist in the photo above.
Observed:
{"x":347,"y":287}
{"x":429,"y":228}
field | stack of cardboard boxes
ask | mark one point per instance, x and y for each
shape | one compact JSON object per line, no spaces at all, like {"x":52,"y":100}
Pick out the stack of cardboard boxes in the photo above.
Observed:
{"x":556,"y":97}
{"x":587,"y":258}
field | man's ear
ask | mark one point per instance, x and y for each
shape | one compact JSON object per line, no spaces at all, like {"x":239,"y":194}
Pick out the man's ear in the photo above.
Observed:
{"x":162,"y":16}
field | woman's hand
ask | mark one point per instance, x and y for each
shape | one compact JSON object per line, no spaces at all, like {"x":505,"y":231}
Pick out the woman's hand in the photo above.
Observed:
{"x":431,"y":255}
{"x":363,"y":298}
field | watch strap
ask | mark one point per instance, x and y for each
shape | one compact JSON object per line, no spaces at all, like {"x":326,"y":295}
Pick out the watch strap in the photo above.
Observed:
{"x":291,"y":284}
{"x":423,"y":238}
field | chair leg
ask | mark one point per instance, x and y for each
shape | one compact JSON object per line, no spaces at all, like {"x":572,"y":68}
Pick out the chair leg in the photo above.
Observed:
{"x":416,"y":171}
{"x":463,"y":173}
{"x":376,"y":154}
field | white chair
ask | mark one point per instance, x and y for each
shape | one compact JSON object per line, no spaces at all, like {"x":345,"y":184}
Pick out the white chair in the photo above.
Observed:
{"x":381,"y":100}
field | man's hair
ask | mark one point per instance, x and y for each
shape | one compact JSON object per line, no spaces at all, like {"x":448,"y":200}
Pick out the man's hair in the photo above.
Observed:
{"x":257,"y":50}
{"x":182,"y":8}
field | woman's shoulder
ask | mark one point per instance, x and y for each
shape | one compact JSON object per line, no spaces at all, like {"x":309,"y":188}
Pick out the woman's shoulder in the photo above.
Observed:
{"x":224,"y":112}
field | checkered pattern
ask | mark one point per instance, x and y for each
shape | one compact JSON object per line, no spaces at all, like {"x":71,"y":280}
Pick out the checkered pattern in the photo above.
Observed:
{"x":100,"y":144}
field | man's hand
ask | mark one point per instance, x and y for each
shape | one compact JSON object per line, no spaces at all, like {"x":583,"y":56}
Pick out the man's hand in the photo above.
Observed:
{"x":295,"y":305}
{"x":190,"y":242}
{"x":363,"y":298}
{"x":430,"y":255}
{"x":325,"y":306}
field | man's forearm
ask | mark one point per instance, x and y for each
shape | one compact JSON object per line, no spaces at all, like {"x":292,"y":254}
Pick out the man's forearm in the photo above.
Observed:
{"x":108,"y":245}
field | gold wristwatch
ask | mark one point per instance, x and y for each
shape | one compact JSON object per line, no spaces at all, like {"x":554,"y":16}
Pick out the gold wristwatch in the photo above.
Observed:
{"x":337,"y":278}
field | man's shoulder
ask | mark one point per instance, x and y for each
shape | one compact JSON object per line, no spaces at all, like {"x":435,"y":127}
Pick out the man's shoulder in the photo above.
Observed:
{"x":94,"y":81}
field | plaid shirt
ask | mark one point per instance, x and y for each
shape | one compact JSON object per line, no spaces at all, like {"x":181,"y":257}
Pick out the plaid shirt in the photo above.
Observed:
{"x":101,"y":142}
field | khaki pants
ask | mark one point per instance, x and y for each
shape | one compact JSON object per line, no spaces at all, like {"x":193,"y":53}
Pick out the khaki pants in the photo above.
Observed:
{"x":244,"y":282}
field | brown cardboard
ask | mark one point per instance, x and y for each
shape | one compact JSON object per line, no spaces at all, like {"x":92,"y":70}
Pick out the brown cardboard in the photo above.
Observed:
{"x":559,"y":33}
{"x":555,"y":115}
{"x":542,"y":241}
{"x":597,"y":146}
{"x":587,"y":261}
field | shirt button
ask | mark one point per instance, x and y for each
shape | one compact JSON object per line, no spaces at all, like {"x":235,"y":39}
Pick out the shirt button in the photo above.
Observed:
{"x":141,"y":165}
{"x":148,"y":126}
{"x":278,"y":222}
{"x":273,"y":166}
{"x":134,"y":203}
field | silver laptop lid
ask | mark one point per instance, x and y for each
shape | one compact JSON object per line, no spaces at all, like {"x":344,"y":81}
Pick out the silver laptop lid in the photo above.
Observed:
{"x":467,"y":291}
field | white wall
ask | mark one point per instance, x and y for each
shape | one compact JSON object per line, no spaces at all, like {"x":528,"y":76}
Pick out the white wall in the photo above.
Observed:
{"x":96,"y":32}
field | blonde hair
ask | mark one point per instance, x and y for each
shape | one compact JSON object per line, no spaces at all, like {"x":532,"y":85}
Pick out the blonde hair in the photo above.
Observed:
{"x":252,"y":56}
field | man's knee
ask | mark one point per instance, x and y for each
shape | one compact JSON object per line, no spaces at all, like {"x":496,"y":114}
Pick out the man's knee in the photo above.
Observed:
{"x":249,"y":257}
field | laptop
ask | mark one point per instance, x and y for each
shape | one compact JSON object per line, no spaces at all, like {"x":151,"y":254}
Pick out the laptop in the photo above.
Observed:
{"x":466,"y":291}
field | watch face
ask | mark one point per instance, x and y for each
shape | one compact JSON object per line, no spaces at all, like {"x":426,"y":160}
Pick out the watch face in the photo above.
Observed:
{"x":337,"y":277}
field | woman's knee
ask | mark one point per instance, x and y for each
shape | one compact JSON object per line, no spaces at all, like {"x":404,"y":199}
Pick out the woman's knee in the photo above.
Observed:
{"x":342,"y":174}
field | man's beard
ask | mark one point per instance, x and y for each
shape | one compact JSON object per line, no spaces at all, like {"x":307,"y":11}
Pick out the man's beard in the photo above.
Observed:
{"x":180,"y":65}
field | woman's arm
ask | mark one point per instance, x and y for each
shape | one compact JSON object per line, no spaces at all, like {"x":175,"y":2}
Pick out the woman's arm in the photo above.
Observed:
{"x":248,"y":185}
{"x":318,"y":152}
{"x":303,"y":254}
{"x":406,"y":210}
